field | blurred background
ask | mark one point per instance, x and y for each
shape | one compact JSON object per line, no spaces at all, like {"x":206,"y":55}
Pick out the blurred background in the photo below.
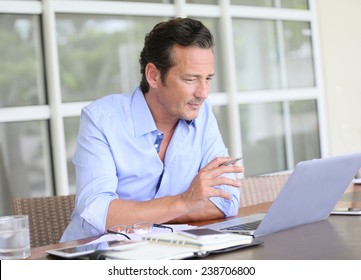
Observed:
{"x":287,"y":85}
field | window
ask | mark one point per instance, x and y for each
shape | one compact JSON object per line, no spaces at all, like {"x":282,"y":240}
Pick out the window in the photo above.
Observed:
{"x":25,"y":156}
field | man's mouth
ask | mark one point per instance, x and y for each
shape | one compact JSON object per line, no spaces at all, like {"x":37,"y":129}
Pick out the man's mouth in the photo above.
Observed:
{"x":195,"y":104}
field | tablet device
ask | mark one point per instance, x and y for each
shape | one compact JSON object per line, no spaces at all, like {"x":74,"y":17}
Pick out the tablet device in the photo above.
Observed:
{"x":356,"y":181}
{"x":346,"y":211}
{"x":202,"y":233}
{"x":81,"y":250}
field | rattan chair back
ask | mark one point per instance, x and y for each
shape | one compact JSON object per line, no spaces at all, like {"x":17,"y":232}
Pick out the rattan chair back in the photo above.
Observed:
{"x":48,"y":217}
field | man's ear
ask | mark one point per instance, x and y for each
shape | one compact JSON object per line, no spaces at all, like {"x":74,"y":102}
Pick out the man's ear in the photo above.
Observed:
{"x":152,"y":75}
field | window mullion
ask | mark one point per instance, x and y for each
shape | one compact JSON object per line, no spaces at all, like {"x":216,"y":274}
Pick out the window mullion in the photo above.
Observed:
{"x":229,"y":77}
{"x":54,"y":93}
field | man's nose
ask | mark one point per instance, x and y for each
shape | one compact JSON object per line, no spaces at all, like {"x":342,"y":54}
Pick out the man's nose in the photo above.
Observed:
{"x":202,"y":90}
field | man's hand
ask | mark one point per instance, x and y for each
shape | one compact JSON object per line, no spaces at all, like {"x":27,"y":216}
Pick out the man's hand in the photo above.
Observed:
{"x":202,"y":186}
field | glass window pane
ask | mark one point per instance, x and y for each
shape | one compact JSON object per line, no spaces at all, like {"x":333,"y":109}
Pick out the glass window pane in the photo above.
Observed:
{"x":142,"y":1}
{"x":71,"y":127}
{"x":99,"y":54}
{"x":305,"y":130}
{"x":290,"y":4}
{"x":25,"y":169}
{"x":257,"y":54}
{"x":21,"y":70}
{"x":255,"y":45}
{"x":295,"y":4}
{"x":263,"y":140}
{"x":299,"y":55}
{"x":202,"y":1}
{"x":261,"y":3}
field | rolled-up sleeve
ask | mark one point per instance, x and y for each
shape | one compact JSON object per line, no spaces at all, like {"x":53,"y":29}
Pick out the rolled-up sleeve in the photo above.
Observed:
{"x":228,"y":207}
{"x":93,"y":224}
{"x":96,"y":177}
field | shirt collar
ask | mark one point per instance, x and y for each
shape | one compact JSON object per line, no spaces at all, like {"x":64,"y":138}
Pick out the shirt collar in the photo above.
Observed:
{"x":142,"y":117}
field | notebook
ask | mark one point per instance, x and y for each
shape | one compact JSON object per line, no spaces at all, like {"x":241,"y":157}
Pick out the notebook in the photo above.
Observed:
{"x":309,"y":195}
{"x":174,"y":246}
{"x":225,"y":240}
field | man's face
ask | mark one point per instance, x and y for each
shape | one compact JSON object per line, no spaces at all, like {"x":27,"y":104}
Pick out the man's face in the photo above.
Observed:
{"x":187,"y":82}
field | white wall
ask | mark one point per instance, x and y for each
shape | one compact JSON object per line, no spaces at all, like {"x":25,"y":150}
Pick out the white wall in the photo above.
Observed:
{"x":340,"y":31}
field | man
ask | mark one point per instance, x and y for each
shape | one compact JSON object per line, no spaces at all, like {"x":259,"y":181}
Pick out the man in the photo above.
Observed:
{"x":155,"y":155}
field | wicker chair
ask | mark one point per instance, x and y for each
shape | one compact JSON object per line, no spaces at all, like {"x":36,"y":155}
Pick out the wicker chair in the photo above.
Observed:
{"x":259,"y":189}
{"x":48,"y":217}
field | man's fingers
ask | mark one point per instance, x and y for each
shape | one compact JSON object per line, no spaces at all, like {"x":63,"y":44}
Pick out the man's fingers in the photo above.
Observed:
{"x":226,"y":181}
{"x":215,"y":170}
{"x":221,"y":193}
{"x":216,"y":162}
{"x":231,"y":169}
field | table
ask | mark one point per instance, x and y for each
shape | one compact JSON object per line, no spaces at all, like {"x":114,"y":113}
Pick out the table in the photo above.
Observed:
{"x":338,"y":237}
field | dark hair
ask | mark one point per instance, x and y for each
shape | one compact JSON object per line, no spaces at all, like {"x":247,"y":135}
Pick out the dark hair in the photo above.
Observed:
{"x":159,"y":42}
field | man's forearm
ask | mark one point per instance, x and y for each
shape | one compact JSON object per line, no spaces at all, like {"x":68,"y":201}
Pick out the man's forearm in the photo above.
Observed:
{"x":162,"y":210}
{"x":159,"y":210}
{"x":210,"y":211}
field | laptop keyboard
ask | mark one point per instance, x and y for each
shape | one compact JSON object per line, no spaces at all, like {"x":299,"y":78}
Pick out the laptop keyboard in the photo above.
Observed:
{"x":246,"y":226}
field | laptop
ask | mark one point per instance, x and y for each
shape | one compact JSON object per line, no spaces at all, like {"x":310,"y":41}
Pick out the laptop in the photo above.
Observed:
{"x":309,"y":195}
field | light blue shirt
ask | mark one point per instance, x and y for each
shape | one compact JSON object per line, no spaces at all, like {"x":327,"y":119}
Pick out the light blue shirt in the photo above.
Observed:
{"x":116,"y":157}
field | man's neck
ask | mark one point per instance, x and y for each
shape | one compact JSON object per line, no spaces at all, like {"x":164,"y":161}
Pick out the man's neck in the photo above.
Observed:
{"x":164,"y":123}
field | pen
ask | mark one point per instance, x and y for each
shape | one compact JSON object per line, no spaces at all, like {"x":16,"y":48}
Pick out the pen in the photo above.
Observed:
{"x":230,"y":162}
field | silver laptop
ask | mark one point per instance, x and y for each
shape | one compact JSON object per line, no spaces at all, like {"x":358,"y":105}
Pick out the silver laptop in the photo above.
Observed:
{"x":309,"y":195}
